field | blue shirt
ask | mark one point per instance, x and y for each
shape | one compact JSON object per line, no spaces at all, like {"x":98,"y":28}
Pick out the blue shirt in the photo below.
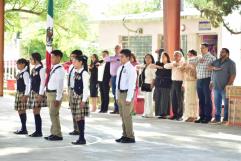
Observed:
{"x":220,"y":77}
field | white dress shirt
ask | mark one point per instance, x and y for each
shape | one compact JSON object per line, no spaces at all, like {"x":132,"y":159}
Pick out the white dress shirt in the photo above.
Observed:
{"x":26,"y":78}
{"x":128,"y":80}
{"x":101,"y":70}
{"x":71,"y":74}
{"x":56,"y":81}
{"x":86,"y":82}
{"x":177,"y":74}
{"x":42,"y":75}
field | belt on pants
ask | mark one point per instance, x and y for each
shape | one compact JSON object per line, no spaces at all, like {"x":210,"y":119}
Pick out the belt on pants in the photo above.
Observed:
{"x":123,"y":91}
{"x":51,"y":91}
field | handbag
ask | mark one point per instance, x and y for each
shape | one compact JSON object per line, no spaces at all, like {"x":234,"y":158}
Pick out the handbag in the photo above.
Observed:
{"x":146,"y":87}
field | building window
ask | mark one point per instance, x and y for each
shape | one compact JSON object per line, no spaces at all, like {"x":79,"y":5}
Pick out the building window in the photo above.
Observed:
{"x":139,"y":45}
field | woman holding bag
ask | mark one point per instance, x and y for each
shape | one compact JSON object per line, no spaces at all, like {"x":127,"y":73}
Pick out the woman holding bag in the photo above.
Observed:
{"x":147,"y":78}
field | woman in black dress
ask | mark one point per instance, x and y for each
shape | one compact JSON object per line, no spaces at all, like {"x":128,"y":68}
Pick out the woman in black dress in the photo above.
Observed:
{"x":94,"y":81}
{"x":162,"y":87}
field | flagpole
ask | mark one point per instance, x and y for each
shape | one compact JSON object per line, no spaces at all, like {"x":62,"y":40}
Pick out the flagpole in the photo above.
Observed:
{"x":49,"y":35}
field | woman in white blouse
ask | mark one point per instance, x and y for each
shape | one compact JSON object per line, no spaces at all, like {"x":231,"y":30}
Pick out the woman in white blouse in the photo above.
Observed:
{"x":146,"y":82}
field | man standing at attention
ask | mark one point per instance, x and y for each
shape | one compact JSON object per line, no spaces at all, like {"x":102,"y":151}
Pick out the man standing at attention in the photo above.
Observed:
{"x":203,"y":81}
{"x":114,"y":65}
{"x":125,"y":89}
{"x":224,"y":73}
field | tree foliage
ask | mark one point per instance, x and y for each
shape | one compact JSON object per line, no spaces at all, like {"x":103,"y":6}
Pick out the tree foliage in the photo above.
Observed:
{"x":28,"y":17}
{"x":217,"y":10}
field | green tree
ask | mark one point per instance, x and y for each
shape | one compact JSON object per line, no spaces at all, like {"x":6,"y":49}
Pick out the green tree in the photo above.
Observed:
{"x":217,"y":10}
{"x":71,"y":25}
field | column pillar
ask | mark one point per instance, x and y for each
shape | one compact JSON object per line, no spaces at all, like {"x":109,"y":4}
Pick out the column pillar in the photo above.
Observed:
{"x":171,"y":19}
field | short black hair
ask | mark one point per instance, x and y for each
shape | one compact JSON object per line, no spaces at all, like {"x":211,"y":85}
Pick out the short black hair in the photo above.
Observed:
{"x":226,"y":50}
{"x":193,"y":52}
{"x":126,"y":52}
{"x":57,"y":53}
{"x":205,"y":44}
{"x":105,"y":51}
{"x":77,"y":52}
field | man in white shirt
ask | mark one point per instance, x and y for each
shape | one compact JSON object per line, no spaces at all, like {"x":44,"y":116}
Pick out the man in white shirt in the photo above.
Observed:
{"x":54,"y":89}
{"x":125,"y":88}
{"x":104,"y":82}
{"x":71,"y":73}
{"x":176,"y":89}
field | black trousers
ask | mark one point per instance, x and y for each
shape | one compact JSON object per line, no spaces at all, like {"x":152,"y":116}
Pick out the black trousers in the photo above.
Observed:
{"x":104,"y":95}
{"x":177,"y":98}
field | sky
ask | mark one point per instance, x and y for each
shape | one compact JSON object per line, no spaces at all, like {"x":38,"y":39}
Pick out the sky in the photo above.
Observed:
{"x":97,"y":7}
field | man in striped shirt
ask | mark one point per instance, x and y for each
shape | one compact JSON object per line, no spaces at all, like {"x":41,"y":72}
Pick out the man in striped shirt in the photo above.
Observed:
{"x":203,"y":81}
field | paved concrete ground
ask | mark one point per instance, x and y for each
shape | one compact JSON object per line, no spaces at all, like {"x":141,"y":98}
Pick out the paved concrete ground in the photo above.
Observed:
{"x":157,"y":140}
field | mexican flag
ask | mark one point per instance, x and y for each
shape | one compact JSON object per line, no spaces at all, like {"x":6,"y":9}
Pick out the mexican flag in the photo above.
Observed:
{"x":49,"y":34}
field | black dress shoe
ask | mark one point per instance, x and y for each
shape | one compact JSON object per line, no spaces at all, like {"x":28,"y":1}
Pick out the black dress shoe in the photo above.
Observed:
{"x":179,"y":119}
{"x":119,"y":140}
{"x":205,"y":121}
{"x":36,"y":134}
{"x":21,"y":132}
{"x":128,"y":140}
{"x":47,"y":137}
{"x":198,"y":121}
{"x":74,"y":133}
{"x":79,"y":142}
{"x":55,"y":138}
{"x":162,"y":117}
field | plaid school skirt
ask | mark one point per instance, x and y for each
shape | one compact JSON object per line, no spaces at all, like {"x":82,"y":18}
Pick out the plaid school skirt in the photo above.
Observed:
{"x":32,"y":102}
{"x":78,"y":112}
{"x":18,"y":104}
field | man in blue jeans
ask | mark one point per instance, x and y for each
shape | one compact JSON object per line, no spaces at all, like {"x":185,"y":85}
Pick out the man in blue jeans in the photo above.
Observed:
{"x":224,"y":73}
{"x":114,"y":65}
{"x":203,"y":81}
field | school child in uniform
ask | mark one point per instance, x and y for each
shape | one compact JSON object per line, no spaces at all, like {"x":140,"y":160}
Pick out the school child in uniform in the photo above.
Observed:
{"x":71,"y":73}
{"x":81,"y":95}
{"x":22,"y":93}
{"x":54,"y":90}
{"x":37,"y":98}
{"x":125,"y":91}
